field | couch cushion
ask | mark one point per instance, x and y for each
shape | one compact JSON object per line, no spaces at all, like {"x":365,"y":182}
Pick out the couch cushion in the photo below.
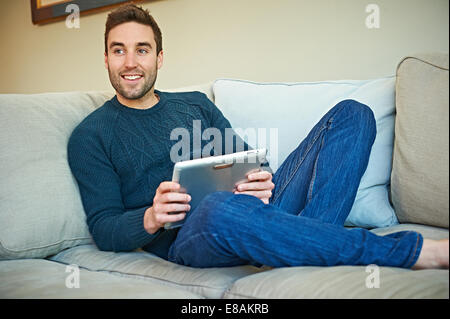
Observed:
{"x":294,"y":108}
{"x":420,"y":169}
{"x":430,"y":232}
{"x":40,"y":207}
{"x":208,"y":282}
{"x":42,"y":279}
{"x":342,"y":282}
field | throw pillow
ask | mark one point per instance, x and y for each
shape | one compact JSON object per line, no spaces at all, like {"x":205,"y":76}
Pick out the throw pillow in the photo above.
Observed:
{"x":292,"y":109}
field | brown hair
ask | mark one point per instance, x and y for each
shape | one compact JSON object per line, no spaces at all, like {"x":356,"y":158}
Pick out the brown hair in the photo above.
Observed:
{"x":132,"y":13}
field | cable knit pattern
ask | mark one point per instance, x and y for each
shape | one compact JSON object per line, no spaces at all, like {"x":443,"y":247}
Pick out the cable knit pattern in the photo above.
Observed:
{"x":120,"y":155}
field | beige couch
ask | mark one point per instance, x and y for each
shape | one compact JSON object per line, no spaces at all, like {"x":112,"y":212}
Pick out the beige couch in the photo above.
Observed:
{"x":46,"y":250}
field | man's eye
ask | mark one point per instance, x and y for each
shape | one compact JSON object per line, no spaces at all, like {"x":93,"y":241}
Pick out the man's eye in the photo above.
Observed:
{"x":142,"y":51}
{"x":118,"y":51}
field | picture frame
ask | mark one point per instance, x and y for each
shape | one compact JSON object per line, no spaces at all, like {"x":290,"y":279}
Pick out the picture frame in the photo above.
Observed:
{"x":46,"y":11}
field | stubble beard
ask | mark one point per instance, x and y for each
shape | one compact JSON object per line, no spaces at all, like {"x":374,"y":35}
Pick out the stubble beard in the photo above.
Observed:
{"x":134,"y":93}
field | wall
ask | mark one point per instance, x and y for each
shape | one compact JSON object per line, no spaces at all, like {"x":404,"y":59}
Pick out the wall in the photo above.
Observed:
{"x":260,"y":40}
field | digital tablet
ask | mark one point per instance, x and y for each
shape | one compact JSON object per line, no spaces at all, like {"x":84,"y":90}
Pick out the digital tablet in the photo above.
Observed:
{"x":200,"y":177}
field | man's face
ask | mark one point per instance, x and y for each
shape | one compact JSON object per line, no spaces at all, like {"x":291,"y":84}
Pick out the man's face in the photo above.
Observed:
{"x":132,"y":61}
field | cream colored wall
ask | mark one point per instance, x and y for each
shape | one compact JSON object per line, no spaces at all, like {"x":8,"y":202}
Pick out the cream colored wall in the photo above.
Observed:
{"x":260,"y":40}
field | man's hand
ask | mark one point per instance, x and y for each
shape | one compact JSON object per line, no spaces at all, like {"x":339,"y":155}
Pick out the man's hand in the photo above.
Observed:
{"x":258,"y":183}
{"x":167,"y":200}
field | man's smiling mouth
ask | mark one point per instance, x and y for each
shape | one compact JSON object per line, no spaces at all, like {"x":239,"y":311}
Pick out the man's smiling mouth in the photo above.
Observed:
{"x":131,"y":77}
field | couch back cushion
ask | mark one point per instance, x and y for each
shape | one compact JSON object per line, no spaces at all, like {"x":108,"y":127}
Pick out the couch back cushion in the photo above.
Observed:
{"x":40,"y":208}
{"x":288,"y":111}
{"x":420,"y":169}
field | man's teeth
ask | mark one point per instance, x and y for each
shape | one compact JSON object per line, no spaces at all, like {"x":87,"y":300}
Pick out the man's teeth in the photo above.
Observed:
{"x":132,"y":77}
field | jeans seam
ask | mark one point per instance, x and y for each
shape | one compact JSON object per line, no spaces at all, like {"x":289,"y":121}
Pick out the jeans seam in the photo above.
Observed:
{"x":313,"y":179}
{"x":300,"y":162}
{"x":411,"y":259}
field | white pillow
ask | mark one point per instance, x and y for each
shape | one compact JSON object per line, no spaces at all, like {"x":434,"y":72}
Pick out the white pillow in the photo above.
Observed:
{"x":294,"y":108}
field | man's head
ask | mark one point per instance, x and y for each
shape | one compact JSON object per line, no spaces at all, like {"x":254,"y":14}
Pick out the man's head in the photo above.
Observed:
{"x":132,"y":13}
{"x":133,"y":53}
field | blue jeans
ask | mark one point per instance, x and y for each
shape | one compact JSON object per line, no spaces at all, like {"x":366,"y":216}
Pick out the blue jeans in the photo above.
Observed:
{"x":315,"y":188}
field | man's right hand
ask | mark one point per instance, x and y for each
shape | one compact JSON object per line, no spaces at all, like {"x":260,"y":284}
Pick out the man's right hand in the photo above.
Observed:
{"x":167,"y":200}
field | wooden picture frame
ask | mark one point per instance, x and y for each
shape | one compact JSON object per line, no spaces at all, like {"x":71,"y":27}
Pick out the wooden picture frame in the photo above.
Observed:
{"x":45,"y":11}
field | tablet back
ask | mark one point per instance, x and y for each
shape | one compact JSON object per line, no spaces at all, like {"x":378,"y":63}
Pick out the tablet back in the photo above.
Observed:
{"x":201,"y":177}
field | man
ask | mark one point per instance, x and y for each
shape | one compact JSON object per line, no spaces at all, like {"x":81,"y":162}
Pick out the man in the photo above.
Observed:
{"x":120,"y":157}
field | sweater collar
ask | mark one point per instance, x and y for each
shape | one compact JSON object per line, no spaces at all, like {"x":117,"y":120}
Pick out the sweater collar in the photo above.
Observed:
{"x":154,"y":108}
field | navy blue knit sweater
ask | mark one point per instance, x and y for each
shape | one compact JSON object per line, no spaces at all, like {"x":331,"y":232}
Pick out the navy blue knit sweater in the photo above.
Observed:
{"x":120,"y":155}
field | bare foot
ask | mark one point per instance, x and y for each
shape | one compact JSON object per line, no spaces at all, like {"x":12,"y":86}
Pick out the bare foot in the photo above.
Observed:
{"x":434,"y":254}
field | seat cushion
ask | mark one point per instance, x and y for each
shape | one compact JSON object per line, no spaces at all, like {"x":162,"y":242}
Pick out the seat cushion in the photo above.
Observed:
{"x":352,"y":282}
{"x":208,"y":282}
{"x":341,"y":282}
{"x":420,"y":169}
{"x":41,"y":279}
{"x":40,"y":208}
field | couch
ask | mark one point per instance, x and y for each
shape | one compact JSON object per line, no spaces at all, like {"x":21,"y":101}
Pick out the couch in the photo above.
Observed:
{"x":46,"y":250}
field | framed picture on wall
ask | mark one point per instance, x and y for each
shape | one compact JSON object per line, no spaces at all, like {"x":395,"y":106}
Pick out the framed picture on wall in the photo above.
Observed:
{"x":45,"y":11}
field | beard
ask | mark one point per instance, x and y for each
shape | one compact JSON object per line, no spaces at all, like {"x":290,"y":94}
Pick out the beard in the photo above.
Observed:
{"x":134,"y":92}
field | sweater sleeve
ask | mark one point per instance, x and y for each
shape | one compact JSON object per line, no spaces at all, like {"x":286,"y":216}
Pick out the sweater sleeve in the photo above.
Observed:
{"x":112,"y":227}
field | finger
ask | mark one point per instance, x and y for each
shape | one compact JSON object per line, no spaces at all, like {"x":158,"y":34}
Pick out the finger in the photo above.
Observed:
{"x":255,"y":186}
{"x":262,"y":175}
{"x":253,"y":175}
{"x":242,"y":181}
{"x":172,"y":218}
{"x":160,"y":209}
{"x":169,"y":197}
{"x":175,"y":208}
{"x":255,"y":170}
{"x":168,"y":187}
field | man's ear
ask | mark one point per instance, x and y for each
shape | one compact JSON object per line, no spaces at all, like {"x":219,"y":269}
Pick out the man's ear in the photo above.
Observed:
{"x":160,"y":58}
{"x":106,"y":60}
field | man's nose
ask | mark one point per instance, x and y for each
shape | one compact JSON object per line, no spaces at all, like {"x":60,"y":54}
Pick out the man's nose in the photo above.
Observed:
{"x":130,"y":60}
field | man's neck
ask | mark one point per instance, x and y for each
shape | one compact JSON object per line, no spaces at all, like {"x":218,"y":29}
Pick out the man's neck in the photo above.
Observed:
{"x":146,"y":102}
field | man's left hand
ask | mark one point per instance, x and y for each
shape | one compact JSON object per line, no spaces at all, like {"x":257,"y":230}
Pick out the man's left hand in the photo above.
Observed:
{"x":257,"y":183}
